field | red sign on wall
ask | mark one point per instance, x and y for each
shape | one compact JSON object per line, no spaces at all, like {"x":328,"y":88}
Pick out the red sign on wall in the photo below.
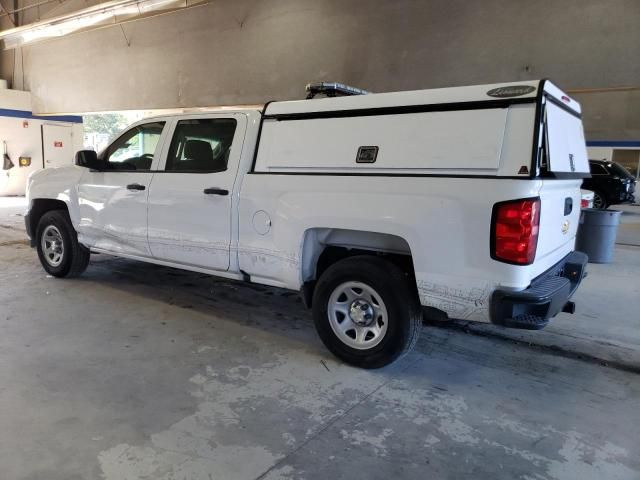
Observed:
{"x":57,"y":144}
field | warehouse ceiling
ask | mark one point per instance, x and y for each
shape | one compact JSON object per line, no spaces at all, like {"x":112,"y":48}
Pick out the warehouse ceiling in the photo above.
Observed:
{"x":100,"y":15}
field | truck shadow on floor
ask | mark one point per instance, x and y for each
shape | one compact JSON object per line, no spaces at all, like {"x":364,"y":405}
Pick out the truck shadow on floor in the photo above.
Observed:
{"x":271,"y":309}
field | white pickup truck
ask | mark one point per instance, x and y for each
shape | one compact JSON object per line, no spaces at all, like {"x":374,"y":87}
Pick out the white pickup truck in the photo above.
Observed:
{"x":465,"y":200}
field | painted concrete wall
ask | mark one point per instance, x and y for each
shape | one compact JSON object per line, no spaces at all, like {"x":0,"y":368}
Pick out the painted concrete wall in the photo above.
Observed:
{"x":612,"y":115}
{"x":23,"y":138}
{"x":251,"y":51}
{"x":600,"y":153}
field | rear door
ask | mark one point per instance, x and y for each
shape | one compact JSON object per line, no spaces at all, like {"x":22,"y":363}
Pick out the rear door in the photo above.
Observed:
{"x":564,"y":164}
{"x":190,"y":199}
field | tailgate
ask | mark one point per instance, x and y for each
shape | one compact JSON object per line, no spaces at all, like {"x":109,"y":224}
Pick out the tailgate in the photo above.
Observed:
{"x":559,"y":218}
{"x":564,"y":163}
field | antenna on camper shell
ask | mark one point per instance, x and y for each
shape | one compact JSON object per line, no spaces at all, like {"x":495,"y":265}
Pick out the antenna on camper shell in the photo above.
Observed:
{"x":332,"y":89}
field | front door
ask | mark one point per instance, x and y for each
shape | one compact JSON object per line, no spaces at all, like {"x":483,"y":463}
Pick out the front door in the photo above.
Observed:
{"x":190,"y":200}
{"x":113,"y":201}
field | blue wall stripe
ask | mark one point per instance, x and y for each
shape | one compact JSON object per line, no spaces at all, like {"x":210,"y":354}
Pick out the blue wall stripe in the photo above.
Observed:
{"x":613,"y":143}
{"x":6,"y":112}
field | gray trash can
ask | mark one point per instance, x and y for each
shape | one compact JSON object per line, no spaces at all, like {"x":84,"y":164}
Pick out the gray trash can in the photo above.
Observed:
{"x":597,"y":234}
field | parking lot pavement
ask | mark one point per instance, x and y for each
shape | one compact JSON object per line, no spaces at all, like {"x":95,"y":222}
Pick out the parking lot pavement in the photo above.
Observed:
{"x":629,"y":229}
{"x":136,"y":371}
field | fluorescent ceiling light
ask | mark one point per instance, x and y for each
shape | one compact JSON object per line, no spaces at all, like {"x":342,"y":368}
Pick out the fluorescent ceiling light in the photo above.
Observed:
{"x":103,"y":14}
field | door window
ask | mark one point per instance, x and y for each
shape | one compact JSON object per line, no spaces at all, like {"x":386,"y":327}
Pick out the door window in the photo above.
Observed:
{"x":201,"y":145}
{"x":134,"y":150}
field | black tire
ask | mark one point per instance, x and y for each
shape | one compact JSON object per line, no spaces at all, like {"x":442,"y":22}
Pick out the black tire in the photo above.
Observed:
{"x":74,"y":257}
{"x":603,"y":201}
{"x":398,"y":296}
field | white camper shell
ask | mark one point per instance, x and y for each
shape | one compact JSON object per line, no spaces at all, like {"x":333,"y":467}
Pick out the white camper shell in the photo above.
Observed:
{"x":465,"y":200}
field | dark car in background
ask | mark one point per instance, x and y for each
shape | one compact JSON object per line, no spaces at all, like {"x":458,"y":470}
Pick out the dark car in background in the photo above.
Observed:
{"x":610,"y":182}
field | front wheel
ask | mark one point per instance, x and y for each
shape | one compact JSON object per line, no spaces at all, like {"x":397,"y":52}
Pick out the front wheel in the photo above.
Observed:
{"x":58,"y":249}
{"x":366,"y":311}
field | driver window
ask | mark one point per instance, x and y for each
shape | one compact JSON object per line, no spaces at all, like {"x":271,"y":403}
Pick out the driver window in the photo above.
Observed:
{"x":134,"y":150}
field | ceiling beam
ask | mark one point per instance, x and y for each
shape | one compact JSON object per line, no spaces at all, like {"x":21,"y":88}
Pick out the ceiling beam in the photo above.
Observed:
{"x":6,"y":13}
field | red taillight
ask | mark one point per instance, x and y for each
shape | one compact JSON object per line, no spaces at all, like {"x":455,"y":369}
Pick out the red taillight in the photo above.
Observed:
{"x":515,"y":231}
{"x":584,"y":203}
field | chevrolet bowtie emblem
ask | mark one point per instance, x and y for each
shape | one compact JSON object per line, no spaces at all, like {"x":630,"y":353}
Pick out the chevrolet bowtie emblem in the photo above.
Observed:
{"x":565,"y":226}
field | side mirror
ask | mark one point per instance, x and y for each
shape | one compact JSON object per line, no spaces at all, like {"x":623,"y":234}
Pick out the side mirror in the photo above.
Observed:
{"x":88,"y":159}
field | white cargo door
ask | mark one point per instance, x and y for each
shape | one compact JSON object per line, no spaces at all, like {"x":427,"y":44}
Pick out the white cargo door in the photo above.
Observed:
{"x":57,"y":145}
{"x":565,"y":141}
{"x":560,"y":192}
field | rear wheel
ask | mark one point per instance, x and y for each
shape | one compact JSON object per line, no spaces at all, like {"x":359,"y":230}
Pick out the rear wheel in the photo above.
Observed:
{"x":58,"y":249}
{"x":366,"y":311}
{"x":599,"y":201}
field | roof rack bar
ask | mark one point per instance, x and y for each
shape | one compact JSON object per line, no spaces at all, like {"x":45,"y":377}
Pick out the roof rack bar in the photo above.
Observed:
{"x":332,"y":89}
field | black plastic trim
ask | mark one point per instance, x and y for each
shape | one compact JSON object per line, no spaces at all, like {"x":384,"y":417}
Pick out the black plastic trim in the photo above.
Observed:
{"x":547,"y":295}
{"x":306,"y":292}
{"x":535,"y":149}
{"x":257,"y":147}
{"x":492,"y":238}
{"x":383,"y":174}
{"x":399,"y":110}
{"x":565,"y":175}
{"x":27,"y":227}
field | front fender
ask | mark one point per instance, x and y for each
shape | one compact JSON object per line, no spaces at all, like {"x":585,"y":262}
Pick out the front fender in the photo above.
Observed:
{"x":56,"y":184}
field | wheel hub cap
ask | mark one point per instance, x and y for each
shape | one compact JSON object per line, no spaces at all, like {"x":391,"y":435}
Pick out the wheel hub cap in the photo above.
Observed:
{"x":52,"y":246}
{"x":361,"y":312}
{"x":357,"y":315}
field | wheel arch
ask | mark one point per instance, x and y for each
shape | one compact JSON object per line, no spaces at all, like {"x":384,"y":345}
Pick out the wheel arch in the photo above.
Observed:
{"x":40,"y":206}
{"x":322,"y":247}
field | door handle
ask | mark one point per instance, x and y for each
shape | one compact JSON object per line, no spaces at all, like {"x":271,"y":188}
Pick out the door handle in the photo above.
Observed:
{"x":215,"y":191}
{"x":135,"y":186}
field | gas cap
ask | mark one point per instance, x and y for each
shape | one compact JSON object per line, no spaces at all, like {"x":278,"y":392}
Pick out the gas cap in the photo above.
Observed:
{"x":261,"y":222}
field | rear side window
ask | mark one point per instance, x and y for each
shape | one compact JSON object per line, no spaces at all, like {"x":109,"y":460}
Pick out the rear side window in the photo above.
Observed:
{"x":201,"y":145}
{"x":619,"y":170}
{"x":597,"y":169}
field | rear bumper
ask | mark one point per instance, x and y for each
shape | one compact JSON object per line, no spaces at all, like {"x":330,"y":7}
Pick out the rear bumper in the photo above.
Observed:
{"x":626,"y":193}
{"x":547,"y":296}
{"x":628,"y":198}
{"x":623,"y":197}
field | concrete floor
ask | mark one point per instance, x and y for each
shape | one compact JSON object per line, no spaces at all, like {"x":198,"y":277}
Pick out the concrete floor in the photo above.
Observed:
{"x":139,"y":372}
